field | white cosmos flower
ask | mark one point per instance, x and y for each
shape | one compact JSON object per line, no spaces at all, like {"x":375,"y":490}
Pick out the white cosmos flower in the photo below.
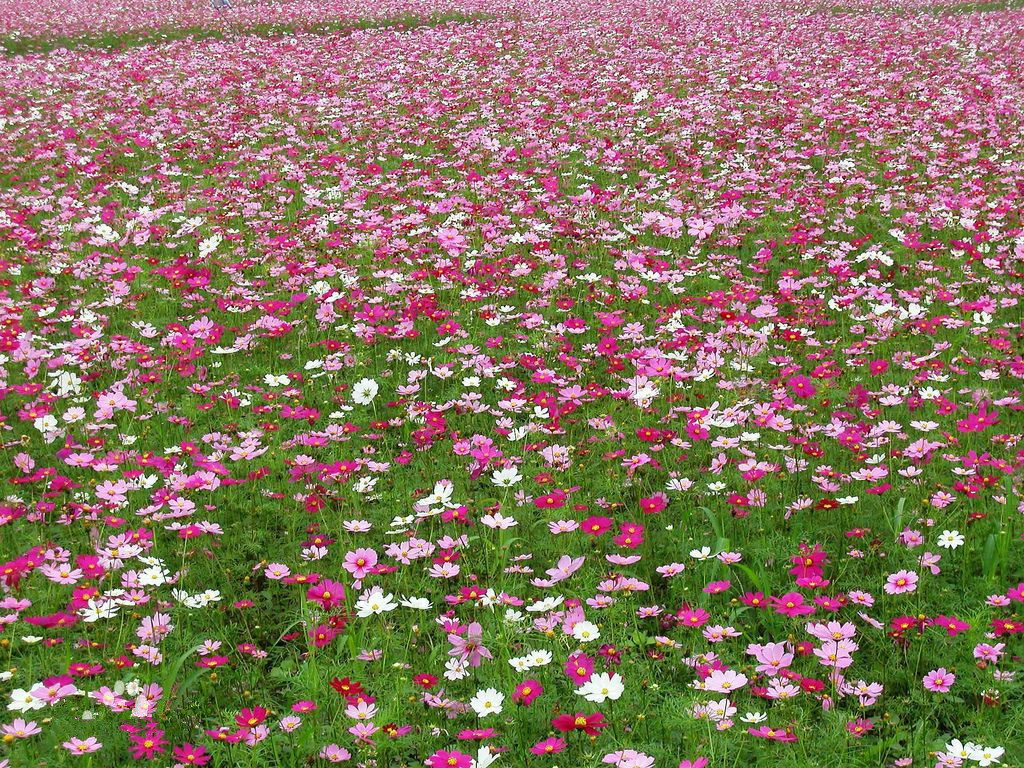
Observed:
{"x":506,"y":477}
{"x":94,"y":611}
{"x":455,"y":669}
{"x":540,"y":658}
{"x":416,"y":603}
{"x":586,"y":632}
{"x":47,"y":423}
{"x":441,"y":496}
{"x":545,"y":605}
{"x":958,"y":749}
{"x":24,"y":701}
{"x":721,"y":710}
{"x":364,"y":390}
{"x":985,"y":756}
{"x":754,"y":717}
{"x":487,"y":702}
{"x":375,"y":602}
{"x":520,"y":663}
{"x":601,"y":687}
{"x":154,"y":576}
{"x":951,"y":539}
{"x":484,"y":757}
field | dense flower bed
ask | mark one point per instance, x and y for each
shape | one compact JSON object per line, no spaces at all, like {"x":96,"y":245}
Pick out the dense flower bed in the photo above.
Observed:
{"x":627,"y":384}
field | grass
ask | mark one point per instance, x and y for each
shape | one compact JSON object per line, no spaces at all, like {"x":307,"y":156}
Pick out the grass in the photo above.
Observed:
{"x":115,"y":41}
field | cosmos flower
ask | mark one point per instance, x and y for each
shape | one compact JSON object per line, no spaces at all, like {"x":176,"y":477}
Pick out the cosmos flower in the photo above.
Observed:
{"x":487,"y":702}
{"x":364,"y":391}
{"x":939,"y":680}
{"x":601,"y":687}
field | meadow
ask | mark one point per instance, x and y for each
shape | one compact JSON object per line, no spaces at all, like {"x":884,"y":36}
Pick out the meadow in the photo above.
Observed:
{"x":465,"y":383}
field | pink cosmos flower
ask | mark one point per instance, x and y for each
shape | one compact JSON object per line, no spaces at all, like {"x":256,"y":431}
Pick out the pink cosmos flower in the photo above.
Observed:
{"x":332,"y":753}
{"x":772,"y":734}
{"x":189,"y":754}
{"x":801,"y":386}
{"x":364,"y":732}
{"x":469,"y":648}
{"x":772,"y":657}
{"x":939,"y":680}
{"x":717,"y":587}
{"x":951,"y":624}
{"x":987,"y":652}
{"x":77,"y":746}
{"x":901,"y":582}
{"x":693,"y":617}
{"x":20,"y":729}
{"x":53,"y":689}
{"x":360,"y":562}
{"x":724,"y":681}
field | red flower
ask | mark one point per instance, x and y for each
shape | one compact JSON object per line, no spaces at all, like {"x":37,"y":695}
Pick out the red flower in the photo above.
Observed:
{"x":346,"y":687}
{"x":425,"y":681}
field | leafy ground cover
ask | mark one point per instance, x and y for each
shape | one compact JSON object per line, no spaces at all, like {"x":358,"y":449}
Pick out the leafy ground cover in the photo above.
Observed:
{"x":581,"y":384}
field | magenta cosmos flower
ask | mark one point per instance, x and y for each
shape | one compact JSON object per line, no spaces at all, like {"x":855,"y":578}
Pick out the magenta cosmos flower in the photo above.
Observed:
{"x":550,"y":746}
{"x":443,"y":759}
{"x":527,"y":692}
{"x":327,"y":593}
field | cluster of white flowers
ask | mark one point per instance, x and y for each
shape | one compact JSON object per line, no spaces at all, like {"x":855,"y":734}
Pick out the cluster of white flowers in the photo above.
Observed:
{"x":957,"y":751}
{"x":531,"y":660}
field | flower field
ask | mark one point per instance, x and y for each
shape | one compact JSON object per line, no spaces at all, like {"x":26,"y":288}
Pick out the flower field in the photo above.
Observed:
{"x":563,"y":384}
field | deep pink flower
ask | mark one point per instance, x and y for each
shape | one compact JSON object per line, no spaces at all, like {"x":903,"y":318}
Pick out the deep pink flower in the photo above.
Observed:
{"x":550,"y":746}
{"x":443,"y":759}
{"x":527,"y":692}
